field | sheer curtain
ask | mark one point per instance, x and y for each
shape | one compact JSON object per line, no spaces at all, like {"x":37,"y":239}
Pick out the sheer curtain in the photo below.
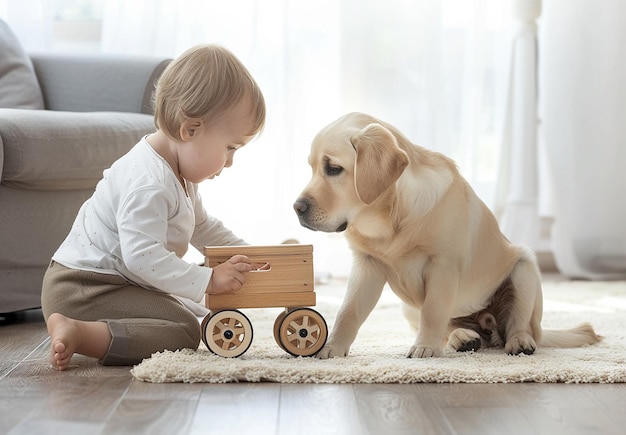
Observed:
{"x":583,"y":112}
{"x":438,"y":70}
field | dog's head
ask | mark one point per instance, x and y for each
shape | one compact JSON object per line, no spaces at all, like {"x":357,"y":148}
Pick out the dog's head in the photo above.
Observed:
{"x":355,"y":161}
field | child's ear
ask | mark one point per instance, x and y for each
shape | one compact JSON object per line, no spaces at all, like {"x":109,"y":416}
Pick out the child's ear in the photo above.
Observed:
{"x":189,"y":127}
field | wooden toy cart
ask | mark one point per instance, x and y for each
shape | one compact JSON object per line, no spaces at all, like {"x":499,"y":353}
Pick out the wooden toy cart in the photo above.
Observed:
{"x":283,"y":278}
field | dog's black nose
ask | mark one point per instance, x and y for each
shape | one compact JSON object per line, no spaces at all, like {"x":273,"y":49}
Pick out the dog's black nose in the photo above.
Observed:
{"x":301,"y":206}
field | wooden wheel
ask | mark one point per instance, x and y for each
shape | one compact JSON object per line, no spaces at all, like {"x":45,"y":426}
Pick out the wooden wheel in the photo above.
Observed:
{"x":303,"y":332}
{"x":227,"y":333}
{"x":277,"y":323}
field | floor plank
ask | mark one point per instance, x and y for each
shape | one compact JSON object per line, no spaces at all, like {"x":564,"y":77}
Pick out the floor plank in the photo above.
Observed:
{"x":319,"y":409}
{"x":399,"y":409}
{"x":237,"y":408}
{"x":151,"y":416}
{"x":571,"y":408}
{"x":19,"y":335}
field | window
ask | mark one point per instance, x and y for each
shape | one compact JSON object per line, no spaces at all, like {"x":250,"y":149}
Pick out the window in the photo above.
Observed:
{"x":77,"y":25}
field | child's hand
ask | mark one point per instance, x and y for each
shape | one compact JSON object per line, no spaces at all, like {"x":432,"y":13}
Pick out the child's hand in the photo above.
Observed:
{"x":230,"y":275}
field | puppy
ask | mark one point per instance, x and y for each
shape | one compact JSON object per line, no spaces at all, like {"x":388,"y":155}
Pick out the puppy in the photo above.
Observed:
{"x":413,"y":221}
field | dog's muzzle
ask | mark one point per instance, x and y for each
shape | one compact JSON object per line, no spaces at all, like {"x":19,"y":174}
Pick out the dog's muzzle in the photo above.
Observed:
{"x":303,"y":209}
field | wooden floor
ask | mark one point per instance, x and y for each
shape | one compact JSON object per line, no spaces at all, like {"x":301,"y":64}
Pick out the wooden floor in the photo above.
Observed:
{"x":91,"y":399}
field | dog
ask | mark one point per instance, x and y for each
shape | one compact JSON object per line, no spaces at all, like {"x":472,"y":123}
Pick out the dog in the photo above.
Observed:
{"x":413,"y":222}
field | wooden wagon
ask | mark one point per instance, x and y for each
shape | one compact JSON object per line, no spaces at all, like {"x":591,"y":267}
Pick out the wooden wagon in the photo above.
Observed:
{"x":283,"y":277}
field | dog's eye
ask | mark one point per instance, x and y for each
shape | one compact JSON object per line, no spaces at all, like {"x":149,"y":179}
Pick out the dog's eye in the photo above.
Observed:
{"x":332,"y":170}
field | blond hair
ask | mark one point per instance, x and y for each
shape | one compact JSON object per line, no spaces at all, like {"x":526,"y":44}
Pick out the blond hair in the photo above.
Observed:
{"x":204,"y":82}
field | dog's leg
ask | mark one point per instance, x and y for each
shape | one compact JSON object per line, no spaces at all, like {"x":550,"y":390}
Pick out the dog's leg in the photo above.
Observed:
{"x":412,"y":315}
{"x":365,"y":286}
{"x":441,"y":287}
{"x":523,"y":328}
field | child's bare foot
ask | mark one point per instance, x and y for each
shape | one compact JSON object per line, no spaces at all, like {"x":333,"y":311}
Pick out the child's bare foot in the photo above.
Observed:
{"x":69,"y":336}
{"x":63,"y":336}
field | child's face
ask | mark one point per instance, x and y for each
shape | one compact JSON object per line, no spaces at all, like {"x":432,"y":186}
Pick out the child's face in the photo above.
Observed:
{"x":209,"y":147}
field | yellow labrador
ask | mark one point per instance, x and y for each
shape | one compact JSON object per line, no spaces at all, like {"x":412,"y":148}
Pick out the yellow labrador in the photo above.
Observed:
{"x":414,"y":222}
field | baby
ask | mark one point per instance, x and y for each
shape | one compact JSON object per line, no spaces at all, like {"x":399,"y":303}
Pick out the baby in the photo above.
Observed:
{"x":114,"y":287}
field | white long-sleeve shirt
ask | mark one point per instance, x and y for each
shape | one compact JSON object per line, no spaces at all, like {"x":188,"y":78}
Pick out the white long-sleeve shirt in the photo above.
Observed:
{"x":139,"y":223}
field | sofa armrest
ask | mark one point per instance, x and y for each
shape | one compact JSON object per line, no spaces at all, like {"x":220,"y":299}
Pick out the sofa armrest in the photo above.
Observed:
{"x":97,"y":83}
{"x":57,"y":150}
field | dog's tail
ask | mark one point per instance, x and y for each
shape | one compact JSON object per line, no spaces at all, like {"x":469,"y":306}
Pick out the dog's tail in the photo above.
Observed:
{"x":575,"y":337}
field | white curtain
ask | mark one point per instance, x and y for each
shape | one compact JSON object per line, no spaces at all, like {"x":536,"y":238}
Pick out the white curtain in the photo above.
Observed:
{"x":583,"y":111}
{"x":31,"y":20}
{"x":438,"y":70}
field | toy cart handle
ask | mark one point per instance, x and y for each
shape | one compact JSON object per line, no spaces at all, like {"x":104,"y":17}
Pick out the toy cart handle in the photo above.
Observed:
{"x":261,"y":266}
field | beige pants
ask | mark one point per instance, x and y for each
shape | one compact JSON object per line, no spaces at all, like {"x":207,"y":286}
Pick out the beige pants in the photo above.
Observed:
{"x":141,"y":321}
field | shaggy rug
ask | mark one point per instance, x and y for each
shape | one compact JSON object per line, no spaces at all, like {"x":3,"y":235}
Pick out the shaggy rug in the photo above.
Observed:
{"x":378,"y":354}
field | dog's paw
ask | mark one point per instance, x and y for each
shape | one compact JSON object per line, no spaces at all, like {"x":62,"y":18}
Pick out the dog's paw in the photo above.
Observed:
{"x":520,"y":343}
{"x":464,"y":340}
{"x":332,"y":351}
{"x":424,"y":352}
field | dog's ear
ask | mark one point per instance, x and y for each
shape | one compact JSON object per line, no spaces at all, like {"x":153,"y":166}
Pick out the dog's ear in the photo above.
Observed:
{"x":379,"y":161}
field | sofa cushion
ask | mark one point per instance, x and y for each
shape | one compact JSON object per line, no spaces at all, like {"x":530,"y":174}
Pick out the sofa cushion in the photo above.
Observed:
{"x":19,"y":87}
{"x":54,"y":150}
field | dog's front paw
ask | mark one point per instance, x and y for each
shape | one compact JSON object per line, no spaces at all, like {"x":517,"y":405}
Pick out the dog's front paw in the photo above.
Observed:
{"x":424,"y":352}
{"x":520,"y":343}
{"x":464,"y":340}
{"x":333,"y":351}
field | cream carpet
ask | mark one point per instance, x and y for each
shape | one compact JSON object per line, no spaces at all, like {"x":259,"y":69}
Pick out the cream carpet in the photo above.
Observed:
{"x":377,"y":356}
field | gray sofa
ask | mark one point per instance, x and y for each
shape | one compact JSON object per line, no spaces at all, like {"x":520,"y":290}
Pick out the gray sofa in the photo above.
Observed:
{"x":63,"y":120}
